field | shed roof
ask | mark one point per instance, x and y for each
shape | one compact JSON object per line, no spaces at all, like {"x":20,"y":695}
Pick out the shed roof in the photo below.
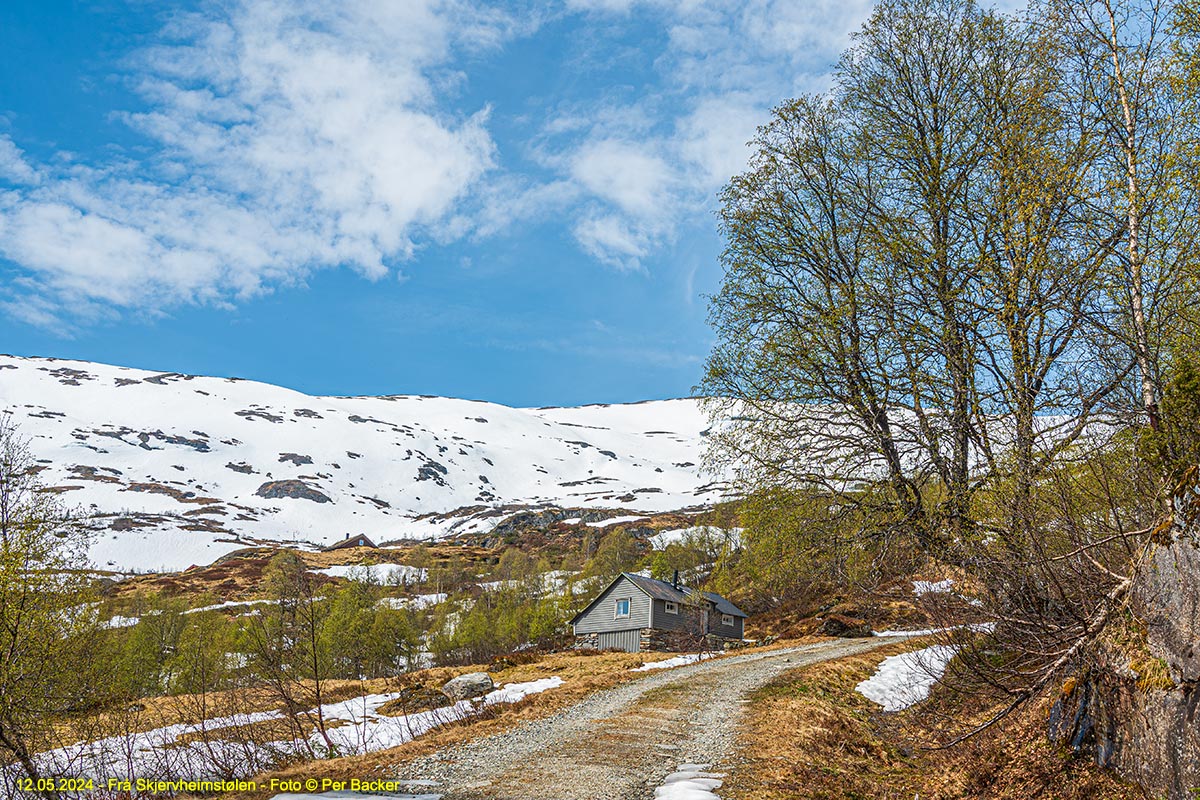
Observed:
{"x":351,"y":541}
{"x":724,"y":606}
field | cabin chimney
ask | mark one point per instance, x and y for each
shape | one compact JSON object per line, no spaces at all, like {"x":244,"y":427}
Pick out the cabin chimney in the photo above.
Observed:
{"x":675,"y":580}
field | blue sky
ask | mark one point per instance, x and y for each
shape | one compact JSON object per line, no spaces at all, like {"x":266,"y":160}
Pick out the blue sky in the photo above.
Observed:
{"x":512,"y":202}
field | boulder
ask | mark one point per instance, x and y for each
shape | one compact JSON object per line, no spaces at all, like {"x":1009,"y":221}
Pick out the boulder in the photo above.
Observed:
{"x":845,"y":627}
{"x":464,"y":687}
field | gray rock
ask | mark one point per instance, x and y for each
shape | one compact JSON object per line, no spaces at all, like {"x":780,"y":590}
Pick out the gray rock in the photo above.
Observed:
{"x":1166,"y":597}
{"x":295,"y":489}
{"x":464,"y":687}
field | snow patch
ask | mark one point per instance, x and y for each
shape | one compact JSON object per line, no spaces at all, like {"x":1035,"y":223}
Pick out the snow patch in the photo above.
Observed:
{"x":604,"y":523}
{"x":380,"y":574}
{"x":975,"y":627}
{"x":690,"y":782}
{"x":364,"y":730}
{"x":416,"y":603}
{"x":935,"y":587}
{"x":703,"y":533}
{"x":905,"y":680}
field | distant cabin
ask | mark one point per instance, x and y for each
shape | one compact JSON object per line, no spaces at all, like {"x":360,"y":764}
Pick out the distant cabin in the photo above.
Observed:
{"x":637,"y":614}
{"x":358,"y":540}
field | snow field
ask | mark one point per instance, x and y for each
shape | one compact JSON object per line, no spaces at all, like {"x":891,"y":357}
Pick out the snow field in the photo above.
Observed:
{"x":662,"y":539}
{"x":932,"y":587}
{"x":381,"y":574}
{"x":185,"y":459}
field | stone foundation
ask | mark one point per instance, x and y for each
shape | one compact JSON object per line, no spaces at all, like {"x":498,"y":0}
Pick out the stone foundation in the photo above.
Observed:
{"x":653,"y":640}
{"x":587,"y":641}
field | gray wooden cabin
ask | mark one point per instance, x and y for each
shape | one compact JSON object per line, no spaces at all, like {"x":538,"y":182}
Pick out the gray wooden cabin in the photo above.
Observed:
{"x":636,"y":613}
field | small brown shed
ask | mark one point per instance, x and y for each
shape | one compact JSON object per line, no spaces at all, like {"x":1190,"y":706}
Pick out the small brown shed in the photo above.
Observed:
{"x":355,"y":540}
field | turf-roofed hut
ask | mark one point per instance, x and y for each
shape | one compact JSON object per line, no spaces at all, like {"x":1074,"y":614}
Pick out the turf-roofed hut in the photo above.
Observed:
{"x":636,"y":614}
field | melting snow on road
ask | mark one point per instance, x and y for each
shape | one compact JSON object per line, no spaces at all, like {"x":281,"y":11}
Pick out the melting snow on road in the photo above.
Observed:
{"x":677,"y":661}
{"x":904,"y":680}
{"x":690,"y":782}
{"x":604,"y":523}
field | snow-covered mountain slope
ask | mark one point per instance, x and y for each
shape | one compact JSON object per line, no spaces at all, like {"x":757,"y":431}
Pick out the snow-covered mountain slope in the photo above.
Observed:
{"x":180,"y":469}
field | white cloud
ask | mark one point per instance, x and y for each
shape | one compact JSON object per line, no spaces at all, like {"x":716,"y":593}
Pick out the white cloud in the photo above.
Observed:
{"x":624,"y":174}
{"x":292,"y":135}
{"x":612,"y":239}
{"x":653,"y":163}
{"x":13,"y":166}
{"x":606,"y":6}
{"x":713,"y":138}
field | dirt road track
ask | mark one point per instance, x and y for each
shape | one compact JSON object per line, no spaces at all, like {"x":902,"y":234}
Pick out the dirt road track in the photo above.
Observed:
{"x":619,"y":744}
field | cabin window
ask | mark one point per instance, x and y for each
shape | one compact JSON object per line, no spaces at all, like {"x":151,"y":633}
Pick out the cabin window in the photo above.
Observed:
{"x":622,"y":610}
{"x":672,"y":608}
{"x":727,"y":619}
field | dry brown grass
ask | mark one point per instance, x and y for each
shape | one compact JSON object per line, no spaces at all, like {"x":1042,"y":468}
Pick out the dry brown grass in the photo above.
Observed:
{"x":811,"y":735}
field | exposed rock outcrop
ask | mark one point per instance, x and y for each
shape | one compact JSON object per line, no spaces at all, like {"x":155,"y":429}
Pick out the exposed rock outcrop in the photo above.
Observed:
{"x":298,"y":490}
{"x":1138,"y":715}
{"x":1167,"y":600}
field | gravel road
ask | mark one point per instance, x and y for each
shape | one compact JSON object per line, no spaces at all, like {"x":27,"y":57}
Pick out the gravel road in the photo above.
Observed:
{"x":621,"y":743}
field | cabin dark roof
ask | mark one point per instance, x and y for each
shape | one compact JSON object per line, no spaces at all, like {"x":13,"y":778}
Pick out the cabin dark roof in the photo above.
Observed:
{"x":659,"y":590}
{"x":724,"y":606}
{"x":664,"y":590}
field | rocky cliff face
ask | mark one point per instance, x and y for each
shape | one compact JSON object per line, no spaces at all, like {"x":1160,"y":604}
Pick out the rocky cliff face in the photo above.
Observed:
{"x":1139,"y":715}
